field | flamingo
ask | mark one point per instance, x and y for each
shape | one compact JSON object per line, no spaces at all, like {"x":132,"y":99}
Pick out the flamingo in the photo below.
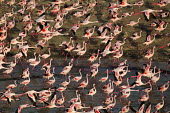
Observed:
{"x":160,"y":105}
{"x":61,"y":89}
{"x":3,"y":29}
{"x":32,"y":96}
{"x":55,"y":9}
{"x":52,"y":81}
{"x":124,"y":4}
{"x":11,"y":2}
{"x":11,"y":24}
{"x":52,"y":103}
{"x":150,"y":54}
{"x":48,"y":74}
{"x":110,"y":106}
{"x":80,"y":13}
{"x":161,"y":27}
{"x":147,"y":90}
{"x":93,"y":57}
{"x":88,"y":33}
{"x":64,"y":43}
{"x":139,"y":3}
{"x":144,"y":97}
{"x":22,"y":10}
{"x":91,"y":5}
{"x":73,"y":100}
{"x":141,"y":109}
{"x":135,"y":36}
{"x":123,"y":63}
{"x":115,"y":17}
{"x":32,"y":59}
{"x":78,"y":105}
{"x":45,"y":56}
{"x":148,"y":11}
{"x":155,"y":78}
{"x":67,"y":69}
{"x":164,"y":87}
{"x":149,"y":40}
{"x":25,"y":73}
{"x":7,"y":49}
{"x":107,"y":51}
{"x":26,"y":18}
{"x":84,"y":83}
{"x":58,"y":24}
{"x":3,"y":19}
{"x":119,"y":69}
{"x":41,"y":43}
{"x":61,"y":100}
{"x":8,"y":71}
{"x":35,"y":63}
{"x":19,"y":109}
{"x":96,"y":65}
{"x":77,"y":78}
{"x":40,"y":12}
{"x":103,"y":79}
{"x":109,"y":89}
{"x":148,"y":110}
{"x":70,"y":47}
{"x":86,"y":21}
{"x":78,"y":47}
{"x":108,"y":100}
{"x":25,"y":82}
{"x":94,"y":72}
{"x":164,"y":14}
{"x":138,"y":81}
{"x":9,"y":96}
{"x":3,"y":36}
{"x":11,"y":86}
{"x":125,"y":108}
{"x":75,"y":27}
{"x":116,"y":31}
{"x":82,"y":52}
{"x":104,"y":36}
{"x":127,"y":14}
{"x":118,"y":54}
{"x":132,"y":23}
{"x":92,"y":91}
{"x":71,"y":8}
{"x":13,"y":63}
{"x":107,"y":39}
{"x":58,"y":2}
{"x":42,"y":19}
{"x":65,"y":83}
{"x":14,"y":41}
{"x":28,"y":27}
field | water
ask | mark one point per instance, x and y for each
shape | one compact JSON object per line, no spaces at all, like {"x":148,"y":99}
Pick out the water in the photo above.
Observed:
{"x":38,"y":83}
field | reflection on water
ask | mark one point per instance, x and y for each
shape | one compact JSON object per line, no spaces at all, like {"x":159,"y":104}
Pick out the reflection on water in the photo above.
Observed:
{"x":38,"y":83}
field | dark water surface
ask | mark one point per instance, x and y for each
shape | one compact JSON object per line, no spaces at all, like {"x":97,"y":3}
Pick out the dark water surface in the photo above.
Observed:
{"x":38,"y":83}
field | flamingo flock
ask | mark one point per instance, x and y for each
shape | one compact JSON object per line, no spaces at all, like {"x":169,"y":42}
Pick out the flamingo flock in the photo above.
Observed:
{"x":95,"y":38}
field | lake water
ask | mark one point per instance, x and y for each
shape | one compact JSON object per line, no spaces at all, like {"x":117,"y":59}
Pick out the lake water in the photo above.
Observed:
{"x":38,"y":83}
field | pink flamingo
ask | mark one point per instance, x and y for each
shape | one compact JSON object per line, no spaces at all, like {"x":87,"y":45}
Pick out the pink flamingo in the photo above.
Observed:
{"x":77,"y":78}
{"x":103,"y":79}
{"x":160,"y":105}
{"x":35,"y":63}
{"x":150,"y":54}
{"x":92,"y":91}
{"x":84,"y":83}
{"x":25,"y":82}
{"x":132,"y":23}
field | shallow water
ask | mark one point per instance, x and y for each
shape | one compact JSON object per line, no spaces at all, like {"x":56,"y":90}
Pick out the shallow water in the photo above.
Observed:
{"x":38,"y":83}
